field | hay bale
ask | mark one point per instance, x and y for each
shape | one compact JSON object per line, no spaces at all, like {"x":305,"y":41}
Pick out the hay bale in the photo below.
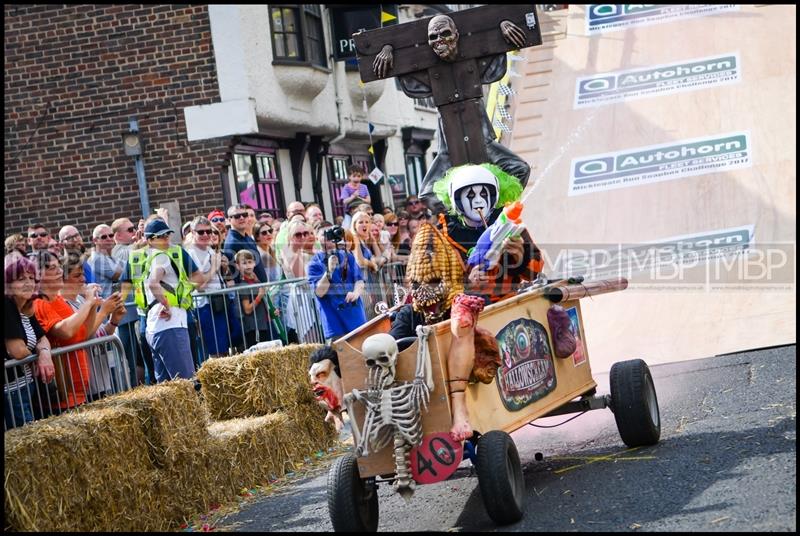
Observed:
{"x":256,"y":384}
{"x":313,"y":433}
{"x":253,"y":450}
{"x":174,"y":421}
{"x":172,"y":417}
{"x":77,"y":472}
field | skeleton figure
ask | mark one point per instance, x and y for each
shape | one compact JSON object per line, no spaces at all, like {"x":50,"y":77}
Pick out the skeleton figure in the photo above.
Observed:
{"x":393,"y":408}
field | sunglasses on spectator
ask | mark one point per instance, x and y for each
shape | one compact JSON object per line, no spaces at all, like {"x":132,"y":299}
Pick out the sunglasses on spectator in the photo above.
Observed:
{"x":265,"y":232}
{"x":203,"y":231}
{"x":130,"y":229}
{"x":71,"y":237}
{"x":217,"y":219}
{"x":104,"y":236}
{"x":40,"y":235}
{"x":414,"y":202}
{"x":392,"y":224}
{"x":239,"y":216}
{"x":302,"y":234}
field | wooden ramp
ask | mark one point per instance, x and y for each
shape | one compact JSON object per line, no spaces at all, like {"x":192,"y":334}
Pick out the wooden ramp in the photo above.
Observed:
{"x":674,"y":126}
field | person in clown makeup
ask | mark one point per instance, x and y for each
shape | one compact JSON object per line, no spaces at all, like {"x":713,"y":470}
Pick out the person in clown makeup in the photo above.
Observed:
{"x":474,"y":197}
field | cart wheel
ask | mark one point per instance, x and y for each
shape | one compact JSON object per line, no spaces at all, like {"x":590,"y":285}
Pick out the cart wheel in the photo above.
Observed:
{"x":500,"y":477}
{"x":634,"y":403}
{"x":352,"y":503}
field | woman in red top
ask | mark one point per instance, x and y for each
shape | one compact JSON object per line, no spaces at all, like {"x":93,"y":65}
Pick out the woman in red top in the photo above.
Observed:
{"x":65,"y":327}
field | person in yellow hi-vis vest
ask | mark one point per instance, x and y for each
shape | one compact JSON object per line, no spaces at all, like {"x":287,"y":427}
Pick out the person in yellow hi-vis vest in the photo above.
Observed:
{"x":167,"y":293}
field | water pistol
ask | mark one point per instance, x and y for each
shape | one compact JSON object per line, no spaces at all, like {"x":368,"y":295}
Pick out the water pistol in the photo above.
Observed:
{"x":490,"y":244}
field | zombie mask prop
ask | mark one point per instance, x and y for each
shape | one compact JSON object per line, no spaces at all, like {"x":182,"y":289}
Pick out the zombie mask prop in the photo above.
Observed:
{"x":326,"y":383}
{"x":380,"y":355}
{"x":443,"y":37}
{"x":434,"y":273}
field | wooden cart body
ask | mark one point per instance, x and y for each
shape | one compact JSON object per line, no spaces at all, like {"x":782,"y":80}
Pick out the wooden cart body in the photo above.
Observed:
{"x":541,"y":381}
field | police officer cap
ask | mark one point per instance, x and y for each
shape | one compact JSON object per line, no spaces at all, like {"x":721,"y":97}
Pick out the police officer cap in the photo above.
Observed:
{"x":156,"y":228}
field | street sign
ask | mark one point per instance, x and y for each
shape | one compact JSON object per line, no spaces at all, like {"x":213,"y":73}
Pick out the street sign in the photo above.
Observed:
{"x":349,"y":19}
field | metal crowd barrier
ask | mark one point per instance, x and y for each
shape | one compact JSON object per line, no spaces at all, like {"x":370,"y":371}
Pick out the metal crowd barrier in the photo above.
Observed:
{"x":85,"y":372}
{"x":383,"y":287}
{"x":227,"y":327}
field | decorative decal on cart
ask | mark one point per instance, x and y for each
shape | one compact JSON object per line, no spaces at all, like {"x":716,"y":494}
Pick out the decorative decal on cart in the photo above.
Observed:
{"x":527,"y":373}
{"x":579,"y":355}
{"x":436,"y":458}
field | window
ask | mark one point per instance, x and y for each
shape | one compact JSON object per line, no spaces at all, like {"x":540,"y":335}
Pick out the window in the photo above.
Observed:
{"x":426,"y":102}
{"x":258,"y":182}
{"x":415,"y":172}
{"x":297,"y":34}
{"x":337,"y":171}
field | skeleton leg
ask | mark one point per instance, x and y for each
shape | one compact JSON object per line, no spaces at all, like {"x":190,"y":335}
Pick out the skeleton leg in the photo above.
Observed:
{"x":403,"y":484}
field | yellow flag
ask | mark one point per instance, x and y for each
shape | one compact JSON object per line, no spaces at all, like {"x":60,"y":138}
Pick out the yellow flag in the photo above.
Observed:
{"x":386,"y":17}
{"x":371,"y":150}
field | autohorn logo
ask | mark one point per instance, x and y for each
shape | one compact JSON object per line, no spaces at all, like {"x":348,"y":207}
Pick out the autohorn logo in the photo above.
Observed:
{"x":656,"y":163}
{"x":602,"y":18}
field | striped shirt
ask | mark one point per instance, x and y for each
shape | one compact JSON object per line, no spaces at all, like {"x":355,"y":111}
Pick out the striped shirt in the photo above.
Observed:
{"x":20,"y":377}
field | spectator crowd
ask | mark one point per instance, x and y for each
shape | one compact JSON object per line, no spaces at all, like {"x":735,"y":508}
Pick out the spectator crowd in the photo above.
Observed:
{"x":231,"y":280}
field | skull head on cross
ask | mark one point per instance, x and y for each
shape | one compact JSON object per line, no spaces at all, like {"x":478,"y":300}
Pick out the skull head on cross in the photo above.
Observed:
{"x":443,"y":37}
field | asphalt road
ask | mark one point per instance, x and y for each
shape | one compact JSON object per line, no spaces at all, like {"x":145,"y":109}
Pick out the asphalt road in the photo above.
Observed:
{"x":726,"y":462}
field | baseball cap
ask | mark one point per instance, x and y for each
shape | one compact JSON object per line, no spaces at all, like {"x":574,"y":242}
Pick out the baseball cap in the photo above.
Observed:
{"x":216,"y":214}
{"x":156,"y":228}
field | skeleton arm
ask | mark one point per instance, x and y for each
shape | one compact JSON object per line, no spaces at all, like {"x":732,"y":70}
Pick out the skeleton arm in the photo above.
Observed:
{"x":384,"y":61}
{"x":512,"y":33}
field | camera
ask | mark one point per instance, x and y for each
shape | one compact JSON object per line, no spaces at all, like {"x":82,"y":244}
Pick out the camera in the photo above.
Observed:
{"x":335,"y":234}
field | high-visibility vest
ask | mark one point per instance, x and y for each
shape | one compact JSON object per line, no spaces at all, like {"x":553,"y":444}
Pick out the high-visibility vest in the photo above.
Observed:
{"x":140,"y":265}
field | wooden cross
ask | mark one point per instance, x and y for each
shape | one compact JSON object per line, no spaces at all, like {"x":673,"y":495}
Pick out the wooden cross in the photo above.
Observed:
{"x":455,"y":85}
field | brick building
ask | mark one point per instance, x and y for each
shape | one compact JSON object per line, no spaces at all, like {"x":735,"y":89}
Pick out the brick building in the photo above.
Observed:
{"x":234,"y":103}
{"x":74,"y":75}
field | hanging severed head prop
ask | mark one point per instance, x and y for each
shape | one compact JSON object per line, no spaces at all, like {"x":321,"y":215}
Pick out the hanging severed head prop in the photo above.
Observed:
{"x":471,"y":192}
{"x":435,"y":274}
{"x":443,"y":37}
{"x":326,"y":383}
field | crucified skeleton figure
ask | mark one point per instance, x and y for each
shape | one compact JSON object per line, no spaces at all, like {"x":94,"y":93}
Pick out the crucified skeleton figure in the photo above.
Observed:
{"x":463,"y":52}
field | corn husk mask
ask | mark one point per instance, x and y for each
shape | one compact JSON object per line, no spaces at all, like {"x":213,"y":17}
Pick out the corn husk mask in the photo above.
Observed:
{"x":434,"y":273}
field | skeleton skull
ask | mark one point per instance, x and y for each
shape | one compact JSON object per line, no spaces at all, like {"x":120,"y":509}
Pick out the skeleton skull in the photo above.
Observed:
{"x":380,"y":355}
{"x":443,"y":37}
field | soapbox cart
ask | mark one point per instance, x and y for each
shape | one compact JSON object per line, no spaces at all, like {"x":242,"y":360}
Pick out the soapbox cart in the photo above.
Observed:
{"x":531,"y":383}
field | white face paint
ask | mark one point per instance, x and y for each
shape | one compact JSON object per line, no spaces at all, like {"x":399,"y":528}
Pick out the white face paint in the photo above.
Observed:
{"x":475,"y":200}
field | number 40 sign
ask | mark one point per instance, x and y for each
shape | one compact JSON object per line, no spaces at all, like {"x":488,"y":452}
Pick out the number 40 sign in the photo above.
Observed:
{"x":436,"y":458}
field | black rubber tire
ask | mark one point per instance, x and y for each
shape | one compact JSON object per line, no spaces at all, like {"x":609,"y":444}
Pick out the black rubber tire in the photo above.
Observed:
{"x":352,"y":505}
{"x":634,"y":403}
{"x":500,"y":477}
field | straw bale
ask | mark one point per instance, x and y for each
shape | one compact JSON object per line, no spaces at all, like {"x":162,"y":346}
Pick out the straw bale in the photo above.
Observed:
{"x":173,"y":419}
{"x":253,"y":450}
{"x":313,"y":433}
{"x":256,"y":384}
{"x":79,"y":471}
